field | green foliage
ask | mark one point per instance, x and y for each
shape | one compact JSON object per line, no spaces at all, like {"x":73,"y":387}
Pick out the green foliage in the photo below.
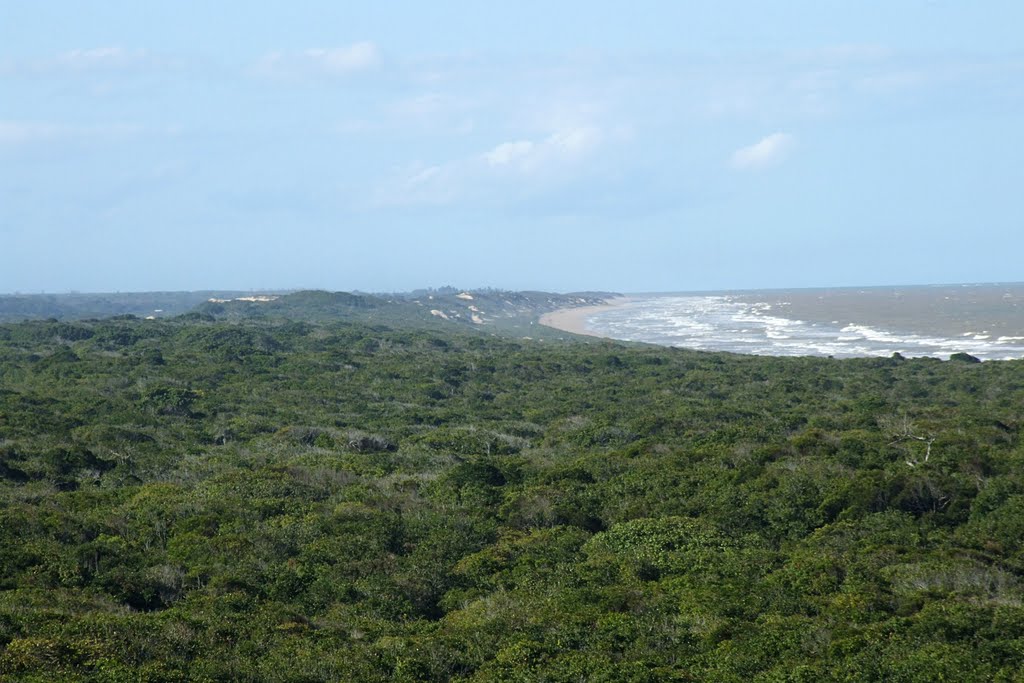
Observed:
{"x":191,"y":499}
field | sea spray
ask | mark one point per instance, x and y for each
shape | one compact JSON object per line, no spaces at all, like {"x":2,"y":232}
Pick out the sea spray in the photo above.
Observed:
{"x":762,"y":325}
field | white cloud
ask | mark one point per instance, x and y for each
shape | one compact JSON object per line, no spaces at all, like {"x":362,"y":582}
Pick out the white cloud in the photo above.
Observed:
{"x":335,"y":61}
{"x":766,"y":152}
{"x":561,"y":147}
{"x":509,"y":152}
{"x":355,"y":57}
{"x":518,"y":166}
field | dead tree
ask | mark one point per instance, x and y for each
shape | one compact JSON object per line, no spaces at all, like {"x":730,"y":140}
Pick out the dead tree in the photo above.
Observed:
{"x":901,"y":429}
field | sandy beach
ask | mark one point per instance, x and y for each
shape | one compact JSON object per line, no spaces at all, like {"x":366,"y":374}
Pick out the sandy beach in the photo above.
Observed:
{"x":575,"y":319}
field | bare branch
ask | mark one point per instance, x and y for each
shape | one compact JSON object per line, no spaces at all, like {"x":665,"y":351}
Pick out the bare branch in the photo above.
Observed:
{"x":902,"y":429}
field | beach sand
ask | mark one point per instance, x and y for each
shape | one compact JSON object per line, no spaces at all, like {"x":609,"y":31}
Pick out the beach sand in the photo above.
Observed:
{"x":574,"y":320}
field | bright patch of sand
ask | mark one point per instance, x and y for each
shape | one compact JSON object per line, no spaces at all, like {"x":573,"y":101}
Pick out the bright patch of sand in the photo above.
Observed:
{"x":575,"y":319}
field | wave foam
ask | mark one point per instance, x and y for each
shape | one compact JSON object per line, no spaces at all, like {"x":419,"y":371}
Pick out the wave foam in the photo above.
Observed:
{"x":724,"y":323}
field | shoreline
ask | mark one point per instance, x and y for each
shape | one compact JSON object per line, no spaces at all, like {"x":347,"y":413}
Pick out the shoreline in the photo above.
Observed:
{"x":574,"y":320}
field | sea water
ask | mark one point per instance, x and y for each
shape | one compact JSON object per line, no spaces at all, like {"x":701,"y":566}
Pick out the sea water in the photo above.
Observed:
{"x":986,"y":321}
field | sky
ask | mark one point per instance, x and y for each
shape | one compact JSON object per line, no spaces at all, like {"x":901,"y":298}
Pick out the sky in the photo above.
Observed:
{"x":564,"y":146}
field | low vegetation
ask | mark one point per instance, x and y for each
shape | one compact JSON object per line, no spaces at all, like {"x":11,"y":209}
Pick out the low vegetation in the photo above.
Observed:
{"x":271,"y":500}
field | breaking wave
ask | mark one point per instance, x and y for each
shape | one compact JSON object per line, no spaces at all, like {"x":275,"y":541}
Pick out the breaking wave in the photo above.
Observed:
{"x":725,"y":323}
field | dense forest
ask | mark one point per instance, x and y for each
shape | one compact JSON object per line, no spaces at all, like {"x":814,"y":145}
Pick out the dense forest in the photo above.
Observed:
{"x":72,"y":306}
{"x":497,"y":310}
{"x":199,"y":499}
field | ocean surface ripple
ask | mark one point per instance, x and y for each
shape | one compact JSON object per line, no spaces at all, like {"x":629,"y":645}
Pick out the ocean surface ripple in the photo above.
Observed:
{"x":738,"y":324}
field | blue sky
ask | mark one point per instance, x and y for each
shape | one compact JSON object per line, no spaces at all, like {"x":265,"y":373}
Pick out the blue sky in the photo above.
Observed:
{"x":654,"y":146}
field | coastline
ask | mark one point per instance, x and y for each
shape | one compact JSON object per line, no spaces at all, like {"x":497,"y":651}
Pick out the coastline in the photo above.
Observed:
{"x":574,"y":320}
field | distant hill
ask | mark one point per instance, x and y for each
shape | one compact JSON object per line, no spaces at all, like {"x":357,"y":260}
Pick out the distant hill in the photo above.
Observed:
{"x":312,"y":305}
{"x":493,"y":310}
{"x":487,"y":309}
{"x":75,"y":306}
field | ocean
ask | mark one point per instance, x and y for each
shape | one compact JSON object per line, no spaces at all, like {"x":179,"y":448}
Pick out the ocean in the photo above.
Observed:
{"x":985,"y":320}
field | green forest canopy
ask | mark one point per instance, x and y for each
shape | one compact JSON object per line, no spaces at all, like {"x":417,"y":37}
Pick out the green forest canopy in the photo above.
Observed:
{"x":187,"y":499}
